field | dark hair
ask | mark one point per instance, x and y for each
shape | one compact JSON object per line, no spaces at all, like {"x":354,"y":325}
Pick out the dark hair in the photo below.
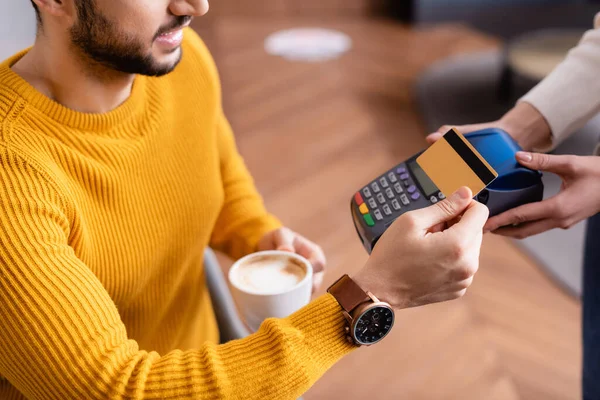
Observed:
{"x":37,"y":12}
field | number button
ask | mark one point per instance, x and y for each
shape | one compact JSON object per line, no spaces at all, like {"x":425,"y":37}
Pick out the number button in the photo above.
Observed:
{"x":442,"y":196}
{"x":387,"y":210}
{"x":372,"y":203}
{"x":392,"y":177}
{"x":390,"y":193}
{"x":378,"y":215}
{"x":404,"y":200}
{"x":433,"y":199}
{"x":375,"y":187}
{"x":380,"y":198}
{"x":383,"y":182}
{"x":396,"y":205}
{"x":367,"y":192}
{"x":398,"y":188}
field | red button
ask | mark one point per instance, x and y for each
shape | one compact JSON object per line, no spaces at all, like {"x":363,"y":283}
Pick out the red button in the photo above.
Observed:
{"x":358,"y":198}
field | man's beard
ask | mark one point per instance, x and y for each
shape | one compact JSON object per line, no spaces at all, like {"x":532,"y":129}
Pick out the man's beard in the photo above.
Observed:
{"x":98,"y":38}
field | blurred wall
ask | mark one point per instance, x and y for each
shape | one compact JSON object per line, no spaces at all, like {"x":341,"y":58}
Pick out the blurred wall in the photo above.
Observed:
{"x":291,"y":7}
{"x":17,"y":26}
{"x":510,"y":18}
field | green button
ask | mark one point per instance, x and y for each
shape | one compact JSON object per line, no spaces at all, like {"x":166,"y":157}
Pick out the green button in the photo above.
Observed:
{"x":369,"y":220}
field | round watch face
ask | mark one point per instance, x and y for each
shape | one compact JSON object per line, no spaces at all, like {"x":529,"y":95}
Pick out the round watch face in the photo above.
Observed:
{"x":373,"y":325}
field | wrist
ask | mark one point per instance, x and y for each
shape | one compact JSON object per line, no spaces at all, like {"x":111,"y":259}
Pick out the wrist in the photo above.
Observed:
{"x":369,"y":318}
{"x":527,"y":126}
{"x":369,"y":283}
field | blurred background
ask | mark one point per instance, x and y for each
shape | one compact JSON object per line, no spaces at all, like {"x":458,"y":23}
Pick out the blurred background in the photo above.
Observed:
{"x":313,"y":133}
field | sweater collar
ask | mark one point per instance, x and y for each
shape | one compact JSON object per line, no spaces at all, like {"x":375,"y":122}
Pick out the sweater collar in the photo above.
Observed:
{"x":132,"y":107}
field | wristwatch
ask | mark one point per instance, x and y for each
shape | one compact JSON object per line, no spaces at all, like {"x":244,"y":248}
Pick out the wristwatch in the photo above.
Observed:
{"x":369,"y":320}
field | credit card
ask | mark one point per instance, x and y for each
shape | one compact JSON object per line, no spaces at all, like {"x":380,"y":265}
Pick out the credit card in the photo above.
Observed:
{"x":452,"y":162}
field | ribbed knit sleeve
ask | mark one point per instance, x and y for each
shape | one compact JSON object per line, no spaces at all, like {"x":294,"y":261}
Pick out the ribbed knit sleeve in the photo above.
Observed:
{"x":61,"y":336}
{"x":243,"y":220}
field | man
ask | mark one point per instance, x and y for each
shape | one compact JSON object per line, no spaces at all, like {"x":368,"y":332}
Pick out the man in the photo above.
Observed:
{"x":551,"y":112}
{"x":118,"y":169}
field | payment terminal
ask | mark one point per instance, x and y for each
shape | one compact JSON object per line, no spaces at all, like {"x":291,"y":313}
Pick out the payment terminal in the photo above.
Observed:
{"x":407,"y":187}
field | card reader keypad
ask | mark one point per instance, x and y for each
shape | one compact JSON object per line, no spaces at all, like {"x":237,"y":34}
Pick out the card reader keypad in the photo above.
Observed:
{"x":389,"y":194}
{"x":378,"y":215}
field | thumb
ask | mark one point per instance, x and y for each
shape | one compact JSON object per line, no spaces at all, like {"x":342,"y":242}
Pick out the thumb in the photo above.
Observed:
{"x":561,"y":165}
{"x":444,"y":211}
{"x":283,"y":240}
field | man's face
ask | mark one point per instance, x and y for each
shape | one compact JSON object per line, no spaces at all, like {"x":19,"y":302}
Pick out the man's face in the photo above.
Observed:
{"x":133,"y":36}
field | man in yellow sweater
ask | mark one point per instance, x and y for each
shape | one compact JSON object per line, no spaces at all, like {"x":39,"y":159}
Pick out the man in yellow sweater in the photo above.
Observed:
{"x":118,"y":168}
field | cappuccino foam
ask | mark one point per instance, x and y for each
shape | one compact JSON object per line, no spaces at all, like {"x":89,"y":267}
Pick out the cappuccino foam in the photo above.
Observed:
{"x":269,"y":274}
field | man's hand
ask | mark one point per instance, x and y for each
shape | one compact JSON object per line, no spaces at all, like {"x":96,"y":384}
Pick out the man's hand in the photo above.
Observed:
{"x":429,"y":255}
{"x":285,"y":239}
{"x":578,"y":199}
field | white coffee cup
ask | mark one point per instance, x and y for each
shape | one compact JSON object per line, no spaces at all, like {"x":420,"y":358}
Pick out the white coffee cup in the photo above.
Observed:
{"x":270,"y":284}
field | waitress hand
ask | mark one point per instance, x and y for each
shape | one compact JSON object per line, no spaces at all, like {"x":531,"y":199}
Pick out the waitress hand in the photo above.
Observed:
{"x":578,"y":199}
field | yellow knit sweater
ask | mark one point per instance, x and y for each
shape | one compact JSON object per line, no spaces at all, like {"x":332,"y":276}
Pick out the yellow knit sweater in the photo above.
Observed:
{"x":103,"y":223}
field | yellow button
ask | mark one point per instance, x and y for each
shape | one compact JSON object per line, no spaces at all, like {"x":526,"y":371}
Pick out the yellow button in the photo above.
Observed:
{"x":363,"y":208}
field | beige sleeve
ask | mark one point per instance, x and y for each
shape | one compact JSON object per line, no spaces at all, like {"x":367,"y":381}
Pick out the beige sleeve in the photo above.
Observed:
{"x":570,"y":95}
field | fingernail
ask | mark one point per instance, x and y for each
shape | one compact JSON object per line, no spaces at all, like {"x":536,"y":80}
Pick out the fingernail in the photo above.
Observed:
{"x":462,"y":193}
{"x":524,"y":156}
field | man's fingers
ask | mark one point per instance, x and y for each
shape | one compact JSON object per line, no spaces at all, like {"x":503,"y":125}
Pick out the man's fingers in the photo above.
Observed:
{"x":525,"y":213}
{"x":438,"y":227}
{"x":528,"y":229}
{"x":317,"y":281}
{"x":472,"y":221}
{"x":560,"y":165}
{"x":313,"y":253}
{"x":444,"y":211}
{"x":283,"y":239}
